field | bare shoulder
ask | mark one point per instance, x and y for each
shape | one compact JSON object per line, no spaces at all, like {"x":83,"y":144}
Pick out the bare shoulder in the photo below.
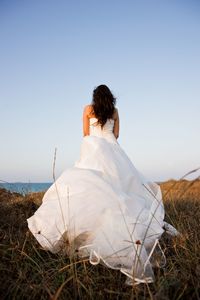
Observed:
{"x":87,"y":109}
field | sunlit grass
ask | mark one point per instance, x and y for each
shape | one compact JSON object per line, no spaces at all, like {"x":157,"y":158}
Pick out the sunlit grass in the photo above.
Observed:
{"x":29,"y":272}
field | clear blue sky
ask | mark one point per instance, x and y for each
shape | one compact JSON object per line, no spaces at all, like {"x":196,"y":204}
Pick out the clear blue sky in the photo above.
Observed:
{"x":53,"y":54}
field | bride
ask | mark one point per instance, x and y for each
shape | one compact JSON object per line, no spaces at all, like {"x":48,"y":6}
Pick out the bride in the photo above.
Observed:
{"x":103,"y":207}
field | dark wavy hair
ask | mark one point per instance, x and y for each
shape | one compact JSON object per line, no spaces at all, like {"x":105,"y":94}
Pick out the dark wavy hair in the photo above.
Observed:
{"x":103,"y":104}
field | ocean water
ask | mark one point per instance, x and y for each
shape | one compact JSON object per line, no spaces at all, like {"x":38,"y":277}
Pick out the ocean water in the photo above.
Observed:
{"x":25,"y":187}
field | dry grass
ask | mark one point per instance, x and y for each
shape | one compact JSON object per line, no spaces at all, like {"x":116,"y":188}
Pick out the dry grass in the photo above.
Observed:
{"x":29,"y":272}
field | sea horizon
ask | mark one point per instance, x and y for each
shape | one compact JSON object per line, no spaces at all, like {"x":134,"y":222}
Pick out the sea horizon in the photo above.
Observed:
{"x":32,"y":187}
{"x":25,"y":187}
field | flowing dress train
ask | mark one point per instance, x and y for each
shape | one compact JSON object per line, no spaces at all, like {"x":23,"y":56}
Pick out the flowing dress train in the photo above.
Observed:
{"x":105,"y":208}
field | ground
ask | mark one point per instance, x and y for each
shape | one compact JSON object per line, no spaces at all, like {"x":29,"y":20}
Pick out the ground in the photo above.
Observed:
{"x":29,"y":272}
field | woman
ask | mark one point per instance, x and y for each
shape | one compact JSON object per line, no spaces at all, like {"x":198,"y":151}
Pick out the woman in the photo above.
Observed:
{"x":103,"y":207}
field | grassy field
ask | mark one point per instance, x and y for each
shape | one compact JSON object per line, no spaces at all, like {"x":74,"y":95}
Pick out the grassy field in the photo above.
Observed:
{"x":29,"y":272}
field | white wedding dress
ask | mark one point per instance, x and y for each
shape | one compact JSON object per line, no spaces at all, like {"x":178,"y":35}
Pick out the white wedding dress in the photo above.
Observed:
{"x":105,"y":209}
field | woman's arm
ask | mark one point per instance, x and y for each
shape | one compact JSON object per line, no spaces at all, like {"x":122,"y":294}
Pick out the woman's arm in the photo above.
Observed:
{"x":86,"y":128}
{"x":116,"y":124}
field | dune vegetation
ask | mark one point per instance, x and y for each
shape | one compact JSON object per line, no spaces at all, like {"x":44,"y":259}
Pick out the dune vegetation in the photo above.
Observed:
{"x":29,"y":272}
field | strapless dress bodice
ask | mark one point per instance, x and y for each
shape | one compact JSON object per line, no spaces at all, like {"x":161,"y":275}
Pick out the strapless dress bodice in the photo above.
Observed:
{"x":105,"y":132}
